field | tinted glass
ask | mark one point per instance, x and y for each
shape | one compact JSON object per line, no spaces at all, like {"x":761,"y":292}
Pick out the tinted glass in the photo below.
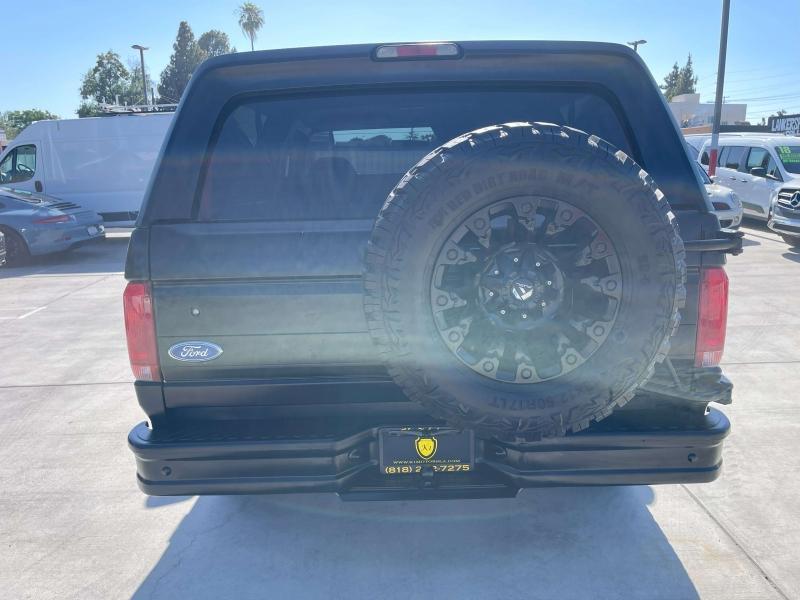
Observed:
{"x":338,"y":157}
{"x":757,"y":159}
{"x":19,"y":165}
{"x":734,"y":157}
{"x":772,"y":169}
{"x":790,"y":157}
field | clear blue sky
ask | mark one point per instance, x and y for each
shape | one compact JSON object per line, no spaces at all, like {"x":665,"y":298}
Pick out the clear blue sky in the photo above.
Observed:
{"x":49,"y":44}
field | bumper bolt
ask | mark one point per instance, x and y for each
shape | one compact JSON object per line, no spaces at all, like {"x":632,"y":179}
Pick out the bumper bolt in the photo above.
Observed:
{"x":166,"y":471}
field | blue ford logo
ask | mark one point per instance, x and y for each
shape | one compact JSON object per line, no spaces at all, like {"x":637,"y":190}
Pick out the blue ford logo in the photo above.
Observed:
{"x":195,"y":351}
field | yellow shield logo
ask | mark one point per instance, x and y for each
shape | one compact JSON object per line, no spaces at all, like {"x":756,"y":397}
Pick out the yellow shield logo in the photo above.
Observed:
{"x":426,"y":447}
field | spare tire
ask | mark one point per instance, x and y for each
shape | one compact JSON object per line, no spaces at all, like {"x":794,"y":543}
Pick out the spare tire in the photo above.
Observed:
{"x":522,"y":280}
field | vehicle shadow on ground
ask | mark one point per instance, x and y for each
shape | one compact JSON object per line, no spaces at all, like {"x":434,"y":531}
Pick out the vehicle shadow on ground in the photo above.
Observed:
{"x":106,"y":256}
{"x":548,"y":543}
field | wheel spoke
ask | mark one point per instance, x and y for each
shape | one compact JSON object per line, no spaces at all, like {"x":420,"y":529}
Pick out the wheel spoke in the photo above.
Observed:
{"x":526,"y":290}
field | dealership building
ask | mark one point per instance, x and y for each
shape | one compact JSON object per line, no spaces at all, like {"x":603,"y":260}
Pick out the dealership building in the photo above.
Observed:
{"x":690,"y":112}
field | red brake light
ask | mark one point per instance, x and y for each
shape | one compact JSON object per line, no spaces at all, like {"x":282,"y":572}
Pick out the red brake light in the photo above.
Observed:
{"x":140,"y":328}
{"x":423,"y":50}
{"x":55,"y":219}
{"x":712,"y":317}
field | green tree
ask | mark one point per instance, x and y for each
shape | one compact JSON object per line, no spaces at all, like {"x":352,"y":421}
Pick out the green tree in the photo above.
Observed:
{"x":671,"y":82}
{"x":185,"y":57}
{"x":687,"y":81}
{"x":680,"y":80}
{"x":14,"y":121}
{"x":214,"y":43}
{"x":251,"y":19}
{"x":107,"y":81}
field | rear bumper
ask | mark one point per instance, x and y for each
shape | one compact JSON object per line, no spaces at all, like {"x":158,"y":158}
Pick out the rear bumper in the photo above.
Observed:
{"x":247,"y":458}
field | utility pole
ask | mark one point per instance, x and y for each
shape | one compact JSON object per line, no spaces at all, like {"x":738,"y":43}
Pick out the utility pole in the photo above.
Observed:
{"x":635,"y":45}
{"x":141,"y":50}
{"x":723,"y":51}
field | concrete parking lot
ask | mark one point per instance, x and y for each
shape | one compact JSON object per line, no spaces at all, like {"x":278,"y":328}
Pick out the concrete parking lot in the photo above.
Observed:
{"x":74,"y":525}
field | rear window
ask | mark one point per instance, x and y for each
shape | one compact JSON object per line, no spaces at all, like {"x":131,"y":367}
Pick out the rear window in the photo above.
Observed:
{"x":338,"y":157}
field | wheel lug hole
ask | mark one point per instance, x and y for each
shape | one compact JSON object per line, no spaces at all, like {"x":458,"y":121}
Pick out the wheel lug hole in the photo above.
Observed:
{"x":488,"y":366}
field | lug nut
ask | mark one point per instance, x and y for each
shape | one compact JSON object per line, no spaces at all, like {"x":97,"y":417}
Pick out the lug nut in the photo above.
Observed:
{"x":496,"y":272}
{"x":549,"y":283}
{"x":544,"y":304}
{"x":538,"y":264}
{"x":516,"y":259}
{"x":524,"y":315}
{"x":491,"y":294}
{"x":502,"y":311}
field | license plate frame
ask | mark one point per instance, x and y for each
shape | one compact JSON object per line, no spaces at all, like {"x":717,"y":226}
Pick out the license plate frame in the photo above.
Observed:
{"x":403,"y":450}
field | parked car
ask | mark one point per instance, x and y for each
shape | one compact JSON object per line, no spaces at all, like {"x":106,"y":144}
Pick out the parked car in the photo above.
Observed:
{"x":35,"y":224}
{"x":785,"y":214}
{"x":100,"y":163}
{"x":726,"y":203}
{"x":431,"y":270}
{"x":752,"y":167}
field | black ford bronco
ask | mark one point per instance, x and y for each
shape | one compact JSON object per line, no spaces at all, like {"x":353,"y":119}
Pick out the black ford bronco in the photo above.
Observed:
{"x":426,"y":271}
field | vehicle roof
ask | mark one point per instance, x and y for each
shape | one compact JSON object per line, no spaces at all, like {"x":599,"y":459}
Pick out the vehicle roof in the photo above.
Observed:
{"x":733,"y":138}
{"x":92,"y":126}
{"x":343,"y":50}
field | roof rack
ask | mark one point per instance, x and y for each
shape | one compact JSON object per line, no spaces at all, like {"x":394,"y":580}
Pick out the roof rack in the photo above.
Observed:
{"x":118,"y":109}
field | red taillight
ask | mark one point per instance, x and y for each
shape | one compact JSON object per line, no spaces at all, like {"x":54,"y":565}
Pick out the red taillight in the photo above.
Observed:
{"x":55,"y":219}
{"x":712,"y":317}
{"x":140,"y":327}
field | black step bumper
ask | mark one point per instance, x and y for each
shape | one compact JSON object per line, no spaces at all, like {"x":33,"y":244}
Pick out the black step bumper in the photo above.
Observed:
{"x":237,"y":458}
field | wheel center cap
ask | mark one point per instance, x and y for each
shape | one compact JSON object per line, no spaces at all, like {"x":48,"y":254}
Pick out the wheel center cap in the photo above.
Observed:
{"x":522,"y":289}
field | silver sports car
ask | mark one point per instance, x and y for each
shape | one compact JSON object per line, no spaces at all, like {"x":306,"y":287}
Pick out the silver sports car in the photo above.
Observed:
{"x":35,"y":224}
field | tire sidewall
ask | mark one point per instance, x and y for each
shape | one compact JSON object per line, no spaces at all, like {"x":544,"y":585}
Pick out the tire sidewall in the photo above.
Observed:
{"x":616,"y":198}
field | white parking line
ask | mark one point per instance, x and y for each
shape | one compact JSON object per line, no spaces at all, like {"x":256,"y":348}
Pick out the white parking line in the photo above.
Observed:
{"x":30,"y":312}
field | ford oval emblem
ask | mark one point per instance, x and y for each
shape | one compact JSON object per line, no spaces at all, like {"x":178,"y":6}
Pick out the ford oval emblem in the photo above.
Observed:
{"x":195,"y":351}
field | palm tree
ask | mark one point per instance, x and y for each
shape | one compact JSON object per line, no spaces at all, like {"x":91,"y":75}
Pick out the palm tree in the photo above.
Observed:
{"x":251,"y":19}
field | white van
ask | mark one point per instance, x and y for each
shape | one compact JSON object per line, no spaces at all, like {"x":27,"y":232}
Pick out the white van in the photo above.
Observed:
{"x":757,"y":167}
{"x":102,"y":163}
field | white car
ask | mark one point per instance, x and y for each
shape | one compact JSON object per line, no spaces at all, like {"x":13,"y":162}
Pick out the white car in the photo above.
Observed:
{"x":727,"y":205}
{"x":758,"y":168}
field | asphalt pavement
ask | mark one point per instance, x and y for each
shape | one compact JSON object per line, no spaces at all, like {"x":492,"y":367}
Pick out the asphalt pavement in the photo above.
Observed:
{"x":73,"y":524}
